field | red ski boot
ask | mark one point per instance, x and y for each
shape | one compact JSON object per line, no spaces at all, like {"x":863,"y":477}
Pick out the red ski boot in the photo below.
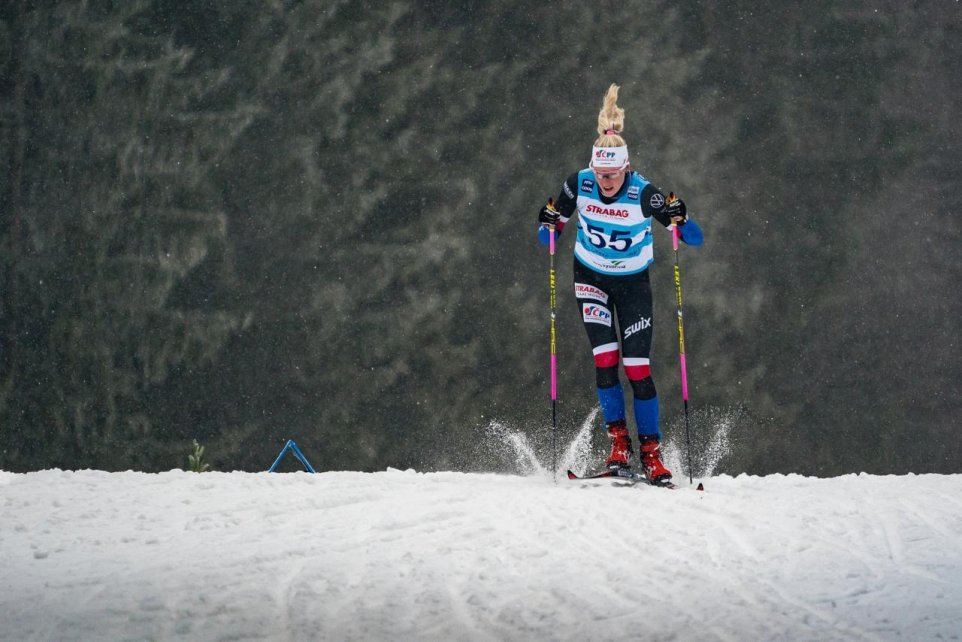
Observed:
{"x":620,"y":446}
{"x":651,"y":461}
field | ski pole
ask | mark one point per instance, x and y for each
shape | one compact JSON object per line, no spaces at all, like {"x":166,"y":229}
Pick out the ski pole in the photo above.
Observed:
{"x":554,"y":354}
{"x":681,"y":338}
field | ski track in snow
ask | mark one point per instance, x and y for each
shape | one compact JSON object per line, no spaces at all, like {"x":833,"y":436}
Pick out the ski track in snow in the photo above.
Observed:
{"x":400,"y":555}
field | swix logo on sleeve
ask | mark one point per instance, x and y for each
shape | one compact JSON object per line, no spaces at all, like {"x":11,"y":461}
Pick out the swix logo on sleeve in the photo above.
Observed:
{"x":586,"y":291}
{"x":637,"y":326}
{"x":592,"y":313}
{"x":567,"y":190}
{"x":606,"y":211}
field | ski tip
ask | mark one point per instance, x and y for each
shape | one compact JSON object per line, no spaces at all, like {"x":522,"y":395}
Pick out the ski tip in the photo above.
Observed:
{"x":571,"y":475}
{"x":701,"y":486}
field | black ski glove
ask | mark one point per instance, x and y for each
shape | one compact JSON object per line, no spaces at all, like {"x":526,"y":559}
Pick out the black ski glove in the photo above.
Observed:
{"x":548,"y":214}
{"x":676,"y":210}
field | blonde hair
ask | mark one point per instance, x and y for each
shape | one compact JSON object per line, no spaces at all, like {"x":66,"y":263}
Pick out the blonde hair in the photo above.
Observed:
{"x":611,"y":117}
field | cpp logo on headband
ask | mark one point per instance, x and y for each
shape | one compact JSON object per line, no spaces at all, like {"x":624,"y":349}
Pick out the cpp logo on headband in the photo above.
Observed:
{"x":609,"y":157}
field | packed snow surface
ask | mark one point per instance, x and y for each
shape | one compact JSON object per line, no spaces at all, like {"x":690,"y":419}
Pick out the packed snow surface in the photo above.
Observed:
{"x":402,"y":555}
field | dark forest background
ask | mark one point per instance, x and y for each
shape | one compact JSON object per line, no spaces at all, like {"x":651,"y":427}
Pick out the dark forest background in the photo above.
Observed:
{"x":244,"y":221}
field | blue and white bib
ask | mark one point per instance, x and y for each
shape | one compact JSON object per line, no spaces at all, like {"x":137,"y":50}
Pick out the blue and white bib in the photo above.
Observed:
{"x":613,"y":238}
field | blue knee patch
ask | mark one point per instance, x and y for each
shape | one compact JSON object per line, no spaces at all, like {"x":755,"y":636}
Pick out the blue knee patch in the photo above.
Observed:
{"x":646,"y":416}
{"x":612,"y":403}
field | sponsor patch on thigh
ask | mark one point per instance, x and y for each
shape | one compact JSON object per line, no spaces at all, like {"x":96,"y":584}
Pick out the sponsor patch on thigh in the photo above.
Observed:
{"x":594,"y":313}
{"x":641,"y":324}
{"x":588,"y":291}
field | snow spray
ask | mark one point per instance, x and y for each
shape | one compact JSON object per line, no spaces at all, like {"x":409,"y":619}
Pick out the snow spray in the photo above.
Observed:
{"x":711,"y":445}
{"x":525,"y":455}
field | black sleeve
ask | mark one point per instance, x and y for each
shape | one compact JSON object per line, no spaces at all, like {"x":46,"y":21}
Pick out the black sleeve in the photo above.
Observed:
{"x":653,"y":204}
{"x":568,"y":197}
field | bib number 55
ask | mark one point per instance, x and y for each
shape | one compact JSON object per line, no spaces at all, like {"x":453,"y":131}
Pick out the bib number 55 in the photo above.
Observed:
{"x":617,"y":240}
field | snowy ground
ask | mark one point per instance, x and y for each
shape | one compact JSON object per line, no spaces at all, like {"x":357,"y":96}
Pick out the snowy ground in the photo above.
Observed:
{"x":402,"y":555}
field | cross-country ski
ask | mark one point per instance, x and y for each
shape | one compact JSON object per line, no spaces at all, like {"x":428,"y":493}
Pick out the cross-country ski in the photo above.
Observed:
{"x":622,"y":474}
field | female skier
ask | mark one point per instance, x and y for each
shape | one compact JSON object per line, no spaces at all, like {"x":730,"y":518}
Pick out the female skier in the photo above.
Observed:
{"x":612,"y":253}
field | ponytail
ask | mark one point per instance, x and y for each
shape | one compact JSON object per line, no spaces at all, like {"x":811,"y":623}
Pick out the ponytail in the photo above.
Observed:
{"x":610,"y":150}
{"x":611,"y":121}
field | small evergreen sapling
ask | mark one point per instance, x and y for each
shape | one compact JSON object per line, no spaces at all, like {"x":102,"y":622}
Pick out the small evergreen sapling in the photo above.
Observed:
{"x":195,"y":460}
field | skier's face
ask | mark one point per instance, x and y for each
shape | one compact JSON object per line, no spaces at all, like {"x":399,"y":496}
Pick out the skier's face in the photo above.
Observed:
{"x":610,"y":180}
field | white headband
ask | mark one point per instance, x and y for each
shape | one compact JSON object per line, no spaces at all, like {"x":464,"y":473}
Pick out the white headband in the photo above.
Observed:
{"x":609,"y":157}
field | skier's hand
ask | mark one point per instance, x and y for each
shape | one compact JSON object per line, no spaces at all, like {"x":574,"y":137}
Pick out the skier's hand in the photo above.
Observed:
{"x":548,"y":214}
{"x":675,"y":208}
